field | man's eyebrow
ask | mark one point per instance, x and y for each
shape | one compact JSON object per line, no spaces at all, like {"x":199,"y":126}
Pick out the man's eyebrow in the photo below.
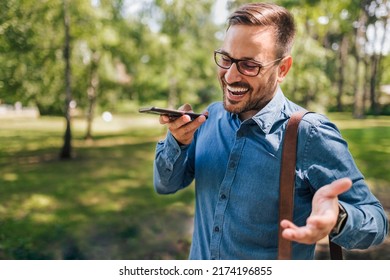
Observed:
{"x":242,"y":58}
{"x":223,"y":52}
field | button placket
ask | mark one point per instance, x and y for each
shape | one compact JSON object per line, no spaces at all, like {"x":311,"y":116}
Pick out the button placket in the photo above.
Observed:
{"x":222,"y":202}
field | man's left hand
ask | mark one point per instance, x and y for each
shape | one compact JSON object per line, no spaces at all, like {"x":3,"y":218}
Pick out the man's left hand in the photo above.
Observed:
{"x":323,"y":216}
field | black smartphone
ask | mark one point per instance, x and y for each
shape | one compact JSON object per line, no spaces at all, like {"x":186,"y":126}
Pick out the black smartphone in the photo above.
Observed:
{"x":172,"y":114}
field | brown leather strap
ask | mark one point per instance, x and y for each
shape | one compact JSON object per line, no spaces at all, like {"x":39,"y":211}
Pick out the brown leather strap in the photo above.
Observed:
{"x":287,"y":175}
{"x":287,"y":178}
{"x":336,"y":253}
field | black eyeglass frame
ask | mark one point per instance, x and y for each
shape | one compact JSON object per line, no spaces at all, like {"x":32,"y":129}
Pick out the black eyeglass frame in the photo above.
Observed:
{"x":237,"y":62}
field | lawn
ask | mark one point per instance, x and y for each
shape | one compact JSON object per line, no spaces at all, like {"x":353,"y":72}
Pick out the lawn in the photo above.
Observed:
{"x":101,"y":203}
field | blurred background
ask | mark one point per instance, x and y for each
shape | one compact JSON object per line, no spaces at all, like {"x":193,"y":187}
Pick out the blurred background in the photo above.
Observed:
{"x":76,"y":156}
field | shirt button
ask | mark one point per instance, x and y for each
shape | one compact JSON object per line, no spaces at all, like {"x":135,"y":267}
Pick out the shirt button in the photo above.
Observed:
{"x":232,"y":165}
{"x":216,"y":229}
{"x":223,"y":196}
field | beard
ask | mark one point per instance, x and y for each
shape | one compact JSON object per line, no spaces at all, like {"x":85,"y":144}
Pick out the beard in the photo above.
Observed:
{"x":253,"y":100}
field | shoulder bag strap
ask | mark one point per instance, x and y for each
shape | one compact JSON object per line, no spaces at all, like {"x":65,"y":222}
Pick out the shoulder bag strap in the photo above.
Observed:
{"x":287,"y":178}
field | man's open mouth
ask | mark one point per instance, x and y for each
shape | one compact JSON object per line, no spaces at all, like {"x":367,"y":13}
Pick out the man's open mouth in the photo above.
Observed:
{"x":237,"y":90}
{"x":236,"y":93}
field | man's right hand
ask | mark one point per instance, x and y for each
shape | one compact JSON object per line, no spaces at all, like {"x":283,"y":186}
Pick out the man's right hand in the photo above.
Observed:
{"x":183,"y":129}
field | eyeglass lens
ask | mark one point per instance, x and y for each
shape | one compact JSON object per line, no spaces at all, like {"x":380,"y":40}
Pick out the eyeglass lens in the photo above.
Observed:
{"x":245,"y":67}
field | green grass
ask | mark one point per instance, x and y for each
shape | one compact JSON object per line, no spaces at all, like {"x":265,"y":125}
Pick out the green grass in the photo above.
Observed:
{"x":101,"y":204}
{"x":369,"y":143}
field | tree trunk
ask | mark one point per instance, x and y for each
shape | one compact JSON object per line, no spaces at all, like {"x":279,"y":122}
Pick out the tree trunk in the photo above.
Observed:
{"x":342,"y":63}
{"x":173,"y":96}
{"x":377,"y":70}
{"x":358,"y":109}
{"x":366,"y":84}
{"x":373,"y":80}
{"x":66,"y":151}
{"x":92,"y":93}
{"x":360,"y":81}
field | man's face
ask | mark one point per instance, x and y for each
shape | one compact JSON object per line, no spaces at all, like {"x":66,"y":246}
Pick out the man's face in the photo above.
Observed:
{"x":242,"y":94}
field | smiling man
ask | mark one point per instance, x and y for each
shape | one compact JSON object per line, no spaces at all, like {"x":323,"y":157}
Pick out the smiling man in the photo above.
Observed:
{"x":235,"y":156}
{"x":244,"y":93}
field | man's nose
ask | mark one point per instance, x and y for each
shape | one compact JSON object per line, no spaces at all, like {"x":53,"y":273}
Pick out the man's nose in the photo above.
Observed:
{"x":232,"y":74}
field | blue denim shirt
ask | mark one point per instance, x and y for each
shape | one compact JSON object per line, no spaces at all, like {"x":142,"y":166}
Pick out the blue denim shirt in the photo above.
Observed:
{"x":236,"y":168}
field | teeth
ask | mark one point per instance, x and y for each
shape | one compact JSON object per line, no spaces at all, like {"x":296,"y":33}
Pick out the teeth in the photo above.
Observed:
{"x":237,"y":90}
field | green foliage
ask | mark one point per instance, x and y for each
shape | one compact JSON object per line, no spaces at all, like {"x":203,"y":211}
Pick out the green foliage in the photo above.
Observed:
{"x":180,"y":65}
{"x":28,"y":51}
{"x":162,"y":52}
{"x":307,"y":83}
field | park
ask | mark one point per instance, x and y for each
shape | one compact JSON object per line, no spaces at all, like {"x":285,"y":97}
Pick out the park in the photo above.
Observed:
{"x":101,"y":203}
{"x":76,"y":157}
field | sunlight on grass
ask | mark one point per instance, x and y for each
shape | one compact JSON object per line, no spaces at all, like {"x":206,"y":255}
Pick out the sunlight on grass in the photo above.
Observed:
{"x":10,"y":177}
{"x":344,"y":120}
{"x":20,"y":208}
{"x":40,"y":218}
{"x":101,"y":204}
{"x":39,"y":202}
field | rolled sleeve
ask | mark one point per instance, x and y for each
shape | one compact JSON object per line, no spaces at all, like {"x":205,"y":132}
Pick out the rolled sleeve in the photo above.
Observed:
{"x":327,"y":158}
{"x":170,"y":172}
{"x":370,"y":222}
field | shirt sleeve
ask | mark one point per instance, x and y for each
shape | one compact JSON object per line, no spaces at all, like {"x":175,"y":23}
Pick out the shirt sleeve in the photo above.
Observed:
{"x":326,"y":159}
{"x":173,"y":166}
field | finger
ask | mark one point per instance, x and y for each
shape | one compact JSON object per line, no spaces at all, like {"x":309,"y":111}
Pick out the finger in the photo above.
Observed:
{"x":337,"y":187}
{"x":288,"y":224}
{"x":179,"y":122}
{"x":164,"y":119}
{"x":201,"y":119}
{"x":192,"y":126}
{"x":300,"y":234}
{"x":206,"y":114}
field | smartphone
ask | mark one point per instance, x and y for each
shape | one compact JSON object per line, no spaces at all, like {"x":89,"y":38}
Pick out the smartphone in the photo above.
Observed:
{"x":172,"y":114}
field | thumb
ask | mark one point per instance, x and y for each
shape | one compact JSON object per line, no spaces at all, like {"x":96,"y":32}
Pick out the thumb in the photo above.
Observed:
{"x":337,"y":187}
{"x":186,"y":107}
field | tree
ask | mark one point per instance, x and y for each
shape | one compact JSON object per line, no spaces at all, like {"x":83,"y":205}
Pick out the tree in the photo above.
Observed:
{"x":92,"y":92}
{"x":29,"y":43}
{"x":161,"y":53}
{"x":378,"y":15}
{"x":67,"y":147}
{"x":181,"y":63}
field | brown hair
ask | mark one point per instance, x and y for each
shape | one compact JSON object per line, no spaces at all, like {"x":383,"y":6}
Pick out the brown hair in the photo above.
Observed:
{"x":267,"y":14}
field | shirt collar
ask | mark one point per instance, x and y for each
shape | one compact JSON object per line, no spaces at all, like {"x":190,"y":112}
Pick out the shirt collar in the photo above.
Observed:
{"x":267,"y":116}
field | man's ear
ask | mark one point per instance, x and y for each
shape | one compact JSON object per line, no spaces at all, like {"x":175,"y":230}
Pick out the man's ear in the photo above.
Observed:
{"x":284,"y":67}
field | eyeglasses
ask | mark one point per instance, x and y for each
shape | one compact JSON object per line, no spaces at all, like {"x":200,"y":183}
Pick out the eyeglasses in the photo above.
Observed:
{"x":247,"y":67}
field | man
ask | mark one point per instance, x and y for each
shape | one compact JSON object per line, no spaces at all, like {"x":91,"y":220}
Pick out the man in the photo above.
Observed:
{"x":235,"y":156}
